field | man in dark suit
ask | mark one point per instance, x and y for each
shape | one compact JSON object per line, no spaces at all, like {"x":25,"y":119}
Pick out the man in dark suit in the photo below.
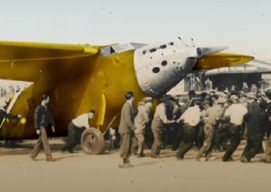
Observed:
{"x":126,"y":128}
{"x":256,"y":120}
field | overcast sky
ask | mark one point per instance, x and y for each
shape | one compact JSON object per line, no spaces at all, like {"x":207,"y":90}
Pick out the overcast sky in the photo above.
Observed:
{"x":244,"y":25}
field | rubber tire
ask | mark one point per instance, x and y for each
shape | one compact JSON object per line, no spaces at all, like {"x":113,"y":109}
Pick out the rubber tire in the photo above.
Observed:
{"x":92,"y":141}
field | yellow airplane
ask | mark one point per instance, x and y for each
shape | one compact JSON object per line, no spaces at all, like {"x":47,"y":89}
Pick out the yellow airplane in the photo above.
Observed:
{"x":82,"y":77}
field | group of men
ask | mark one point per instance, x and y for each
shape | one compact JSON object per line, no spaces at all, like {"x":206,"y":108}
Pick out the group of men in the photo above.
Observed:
{"x":211,"y":121}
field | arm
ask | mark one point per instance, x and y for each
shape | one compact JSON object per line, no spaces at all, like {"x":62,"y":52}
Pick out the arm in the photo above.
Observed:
{"x":11,"y":116}
{"x":52,"y":122}
{"x":163,"y":116}
{"x":128,"y":117}
{"x":37,"y":117}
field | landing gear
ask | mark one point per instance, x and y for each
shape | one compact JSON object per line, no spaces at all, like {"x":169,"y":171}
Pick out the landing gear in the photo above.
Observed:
{"x":92,"y":141}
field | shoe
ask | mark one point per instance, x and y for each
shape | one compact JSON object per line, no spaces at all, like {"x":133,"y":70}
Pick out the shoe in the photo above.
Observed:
{"x":140,"y":155}
{"x":228,"y":159}
{"x":244,"y":159}
{"x":66,"y":149}
{"x":50,"y":160}
{"x":208,"y":156}
{"x":33,"y":159}
{"x":155,"y":156}
{"x":125,"y":165}
{"x":180,"y":158}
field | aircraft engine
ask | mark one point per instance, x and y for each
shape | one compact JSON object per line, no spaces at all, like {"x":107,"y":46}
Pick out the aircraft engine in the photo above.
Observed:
{"x":160,"y":67}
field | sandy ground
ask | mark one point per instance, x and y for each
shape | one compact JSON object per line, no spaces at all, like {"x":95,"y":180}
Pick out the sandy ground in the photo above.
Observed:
{"x":80,"y":172}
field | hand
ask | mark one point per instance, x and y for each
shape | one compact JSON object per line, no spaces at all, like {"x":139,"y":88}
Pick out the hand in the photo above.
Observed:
{"x":180,"y":121}
{"x":19,"y":116}
{"x":38,"y":132}
{"x":53,"y":129}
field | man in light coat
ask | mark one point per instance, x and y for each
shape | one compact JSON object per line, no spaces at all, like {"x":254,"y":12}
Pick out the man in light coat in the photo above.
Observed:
{"x":141,"y":120}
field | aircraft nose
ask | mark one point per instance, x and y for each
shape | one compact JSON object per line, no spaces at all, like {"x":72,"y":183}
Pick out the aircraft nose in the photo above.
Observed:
{"x":160,"y":67}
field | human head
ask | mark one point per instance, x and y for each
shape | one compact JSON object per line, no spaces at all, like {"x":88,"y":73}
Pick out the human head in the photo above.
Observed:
{"x":45,"y":99}
{"x":234,"y":98}
{"x":129,"y":95}
{"x":147,"y":102}
{"x":91,"y":113}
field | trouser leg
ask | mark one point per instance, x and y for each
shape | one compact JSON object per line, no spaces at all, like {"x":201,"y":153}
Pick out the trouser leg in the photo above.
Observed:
{"x":235,"y":139}
{"x":140,"y":141}
{"x":187,"y":141}
{"x":254,"y":149}
{"x":220,"y":136}
{"x":125,"y":146}
{"x":209,"y":133}
{"x":37,"y":147}
{"x":45,"y":143}
{"x":157,"y":143}
{"x":71,"y":142}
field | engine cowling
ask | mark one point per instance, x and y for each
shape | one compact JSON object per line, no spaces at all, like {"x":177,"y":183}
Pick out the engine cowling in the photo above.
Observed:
{"x":161,"y":66}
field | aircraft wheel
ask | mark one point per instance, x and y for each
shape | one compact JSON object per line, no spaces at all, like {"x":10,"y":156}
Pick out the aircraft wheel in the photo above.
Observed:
{"x":92,"y":141}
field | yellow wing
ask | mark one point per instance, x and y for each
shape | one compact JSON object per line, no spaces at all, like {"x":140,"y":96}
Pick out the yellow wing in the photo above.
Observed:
{"x":25,"y":60}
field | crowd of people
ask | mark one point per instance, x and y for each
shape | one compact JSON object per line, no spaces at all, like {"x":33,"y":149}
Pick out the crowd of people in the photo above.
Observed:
{"x":208,"y":120}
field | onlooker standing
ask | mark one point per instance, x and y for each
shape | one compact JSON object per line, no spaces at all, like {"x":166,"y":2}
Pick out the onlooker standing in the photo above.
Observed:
{"x":126,"y":128}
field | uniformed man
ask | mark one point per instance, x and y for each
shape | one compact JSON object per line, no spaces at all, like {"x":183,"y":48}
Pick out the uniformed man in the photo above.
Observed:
{"x":140,"y":122}
{"x":126,"y":128}
{"x":43,"y":119}
{"x":75,"y":129}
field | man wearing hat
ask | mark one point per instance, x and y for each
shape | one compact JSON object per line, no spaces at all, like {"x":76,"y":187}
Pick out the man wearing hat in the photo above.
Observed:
{"x":126,"y":127}
{"x":210,"y":117}
{"x":43,"y":119}
{"x":235,"y":113}
{"x":141,"y":120}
